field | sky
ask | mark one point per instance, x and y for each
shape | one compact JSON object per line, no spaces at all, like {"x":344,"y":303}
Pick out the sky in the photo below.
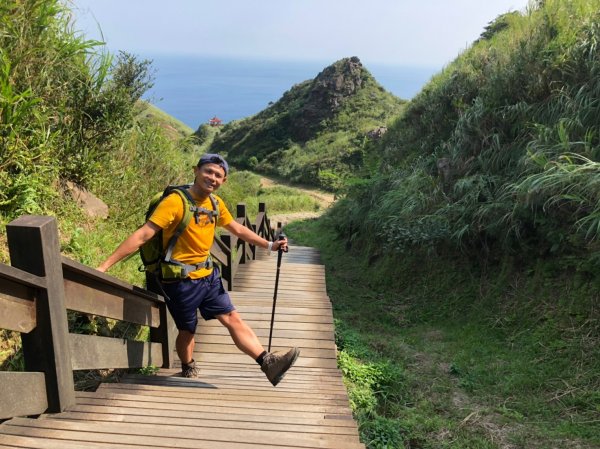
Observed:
{"x":427,"y":33}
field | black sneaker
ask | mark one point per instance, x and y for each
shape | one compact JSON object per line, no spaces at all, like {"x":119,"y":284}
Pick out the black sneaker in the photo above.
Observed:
{"x":276,"y":364}
{"x":189,"y":370}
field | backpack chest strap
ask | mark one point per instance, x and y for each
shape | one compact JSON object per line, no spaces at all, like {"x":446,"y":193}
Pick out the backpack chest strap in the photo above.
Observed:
{"x":187,"y":269}
{"x":197,"y":210}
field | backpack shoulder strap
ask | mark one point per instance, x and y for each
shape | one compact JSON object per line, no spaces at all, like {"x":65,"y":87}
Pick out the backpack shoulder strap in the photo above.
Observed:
{"x":215,"y":205}
{"x":188,"y":203}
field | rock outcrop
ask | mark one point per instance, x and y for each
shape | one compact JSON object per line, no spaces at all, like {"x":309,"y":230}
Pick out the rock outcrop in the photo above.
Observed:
{"x":326,"y":95}
{"x":91,"y":204}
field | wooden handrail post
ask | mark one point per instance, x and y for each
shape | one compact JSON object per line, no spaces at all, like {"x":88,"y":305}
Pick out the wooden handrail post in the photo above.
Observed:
{"x":34,"y":247}
{"x":253,"y":247}
{"x":227,"y":270}
{"x":241,"y":213}
{"x":165,"y":333}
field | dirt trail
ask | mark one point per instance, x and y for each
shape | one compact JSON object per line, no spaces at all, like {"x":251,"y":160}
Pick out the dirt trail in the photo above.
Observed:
{"x":325,"y":199}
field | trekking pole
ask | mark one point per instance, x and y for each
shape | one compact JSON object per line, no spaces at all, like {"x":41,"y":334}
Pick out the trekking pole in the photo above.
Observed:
{"x":279,"y":254}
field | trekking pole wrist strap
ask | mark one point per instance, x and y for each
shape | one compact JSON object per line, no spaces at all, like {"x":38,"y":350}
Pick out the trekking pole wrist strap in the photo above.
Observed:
{"x":270,"y":246}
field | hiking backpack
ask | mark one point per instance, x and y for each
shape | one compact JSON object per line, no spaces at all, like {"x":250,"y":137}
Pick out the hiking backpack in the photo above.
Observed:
{"x":157,"y":260}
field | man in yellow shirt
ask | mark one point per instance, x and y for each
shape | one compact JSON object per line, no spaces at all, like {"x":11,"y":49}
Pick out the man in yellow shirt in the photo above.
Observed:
{"x":202,"y":289}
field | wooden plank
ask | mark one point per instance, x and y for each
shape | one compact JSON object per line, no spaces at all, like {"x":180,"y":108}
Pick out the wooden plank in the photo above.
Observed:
{"x":16,"y":440}
{"x":333,"y":426}
{"x":22,"y":394}
{"x":267,"y":407}
{"x":267,"y":264}
{"x":282,"y":317}
{"x":298,"y":380}
{"x":242,"y":358}
{"x":133,"y":403}
{"x":71,"y":267}
{"x":274,"y":395}
{"x":91,"y":296}
{"x":193,"y":437}
{"x":285,"y":342}
{"x":93,"y":352}
{"x":214,"y":373}
{"x":262,"y":331}
{"x":8,"y":273}
{"x":122,"y":440}
{"x":283,"y":308}
{"x":325,"y":328}
{"x":216,"y":348}
{"x":288,"y":298}
{"x":17,"y":314}
{"x":269,"y":278}
{"x":310,"y":277}
{"x":317,"y":298}
{"x":251,"y":372}
{"x":233,"y":380}
{"x":208,"y":420}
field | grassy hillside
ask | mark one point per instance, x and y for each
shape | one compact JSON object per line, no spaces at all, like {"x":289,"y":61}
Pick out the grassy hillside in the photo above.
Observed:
{"x":498,"y":153}
{"x":175,"y":128}
{"x":439,"y":353}
{"x":472,"y":314}
{"x":317,"y":132}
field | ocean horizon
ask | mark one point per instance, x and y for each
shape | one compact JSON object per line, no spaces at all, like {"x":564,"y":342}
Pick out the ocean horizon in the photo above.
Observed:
{"x":193,"y":89}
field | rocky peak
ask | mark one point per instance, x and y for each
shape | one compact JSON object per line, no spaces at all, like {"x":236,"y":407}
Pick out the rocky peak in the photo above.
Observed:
{"x":326,"y":94}
{"x":337,"y":81}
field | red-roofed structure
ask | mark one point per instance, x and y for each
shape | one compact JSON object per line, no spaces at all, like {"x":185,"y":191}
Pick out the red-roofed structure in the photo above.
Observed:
{"x":215,"y":121}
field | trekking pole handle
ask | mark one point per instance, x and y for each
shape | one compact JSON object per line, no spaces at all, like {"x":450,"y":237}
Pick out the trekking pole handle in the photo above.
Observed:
{"x":282,"y":237}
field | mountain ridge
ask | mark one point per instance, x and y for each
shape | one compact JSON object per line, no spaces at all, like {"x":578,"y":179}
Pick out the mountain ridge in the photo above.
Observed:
{"x":317,"y":131}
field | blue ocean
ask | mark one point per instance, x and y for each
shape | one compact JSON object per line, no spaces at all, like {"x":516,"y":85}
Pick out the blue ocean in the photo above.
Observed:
{"x":194,"y":89}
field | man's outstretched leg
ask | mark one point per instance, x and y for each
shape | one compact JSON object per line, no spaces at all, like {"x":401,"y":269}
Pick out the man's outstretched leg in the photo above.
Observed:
{"x":274,"y":365}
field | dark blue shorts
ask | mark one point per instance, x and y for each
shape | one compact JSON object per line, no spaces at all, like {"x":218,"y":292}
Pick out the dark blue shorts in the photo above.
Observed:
{"x":188,"y":296}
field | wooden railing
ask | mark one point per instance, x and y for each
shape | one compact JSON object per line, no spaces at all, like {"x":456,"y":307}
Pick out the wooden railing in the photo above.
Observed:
{"x":41,"y":285}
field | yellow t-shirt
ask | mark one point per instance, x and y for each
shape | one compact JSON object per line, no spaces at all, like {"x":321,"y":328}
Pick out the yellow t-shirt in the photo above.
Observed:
{"x":194,"y":243}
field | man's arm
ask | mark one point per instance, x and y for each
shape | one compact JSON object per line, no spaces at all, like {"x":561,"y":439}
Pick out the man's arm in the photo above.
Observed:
{"x":251,"y":237}
{"x":130,"y":244}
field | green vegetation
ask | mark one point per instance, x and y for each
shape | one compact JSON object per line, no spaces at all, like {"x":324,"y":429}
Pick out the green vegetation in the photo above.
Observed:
{"x":441,"y":353}
{"x":69,"y":111}
{"x":464,"y":274}
{"x":152,"y":114}
{"x":317,"y":132}
{"x":90,"y":127}
{"x":498,"y":153}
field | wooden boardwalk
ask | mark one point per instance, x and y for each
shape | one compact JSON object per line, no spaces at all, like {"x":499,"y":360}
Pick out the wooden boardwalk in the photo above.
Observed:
{"x":232,"y":405}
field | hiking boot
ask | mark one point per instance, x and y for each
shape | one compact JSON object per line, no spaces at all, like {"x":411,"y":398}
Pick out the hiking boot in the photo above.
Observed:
{"x":189,"y":370}
{"x":276,"y":364}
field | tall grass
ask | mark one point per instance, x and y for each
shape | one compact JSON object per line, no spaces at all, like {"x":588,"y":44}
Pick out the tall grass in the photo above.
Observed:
{"x":515,"y":121}
{"x":64,"y":104}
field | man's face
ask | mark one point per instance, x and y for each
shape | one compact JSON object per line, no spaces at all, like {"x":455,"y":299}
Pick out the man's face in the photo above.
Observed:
{"x":209,"y":177}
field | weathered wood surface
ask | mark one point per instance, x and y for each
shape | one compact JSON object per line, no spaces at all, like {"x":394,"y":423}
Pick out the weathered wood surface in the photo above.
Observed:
{"x":22,"y":394}
{"x":231,"y":405}
{"x":34,"y":247}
